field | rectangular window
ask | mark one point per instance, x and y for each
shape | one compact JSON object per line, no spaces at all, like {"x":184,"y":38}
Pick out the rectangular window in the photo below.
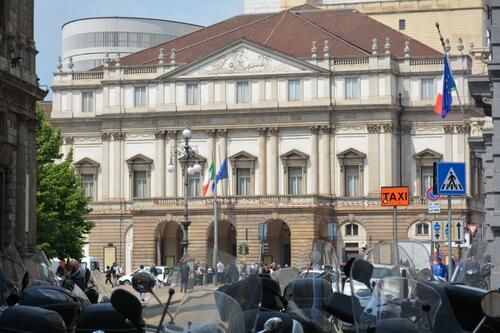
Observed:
{"x":402,"y":24}
{"x":351,"y":181}
{"x":192,"y":94}
{"x":422,"y":229}
{"x":351,"y":88}
{"x":139,"y":97}
{"x":140,"y":183}
{"x":194,"y":185}
{"x":427,"y":89}
{"x":87,"y":101}
{"x":426,"y":179}
{"x":294,"y":90}
{"x":243,"y":184}
{"x":295,"y":180}
{"x":88,"y":185}
{"x":242,"y":92}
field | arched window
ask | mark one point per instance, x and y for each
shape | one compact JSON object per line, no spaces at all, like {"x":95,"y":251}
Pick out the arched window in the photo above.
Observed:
{"x":422,"y":229}
{"x":351,"y":229}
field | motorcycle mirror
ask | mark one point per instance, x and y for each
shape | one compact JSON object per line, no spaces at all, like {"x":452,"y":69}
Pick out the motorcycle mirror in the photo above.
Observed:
{"x":25,"y":281}
{"x":128,"y":306}
{"x":143,"y":282}
{"x":490,"y":304}
{"x":274,"y":324}
{"x":362,"y":271}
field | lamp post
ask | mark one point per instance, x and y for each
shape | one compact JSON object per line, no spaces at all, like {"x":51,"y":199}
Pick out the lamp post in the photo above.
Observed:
{"x":185,"y":151}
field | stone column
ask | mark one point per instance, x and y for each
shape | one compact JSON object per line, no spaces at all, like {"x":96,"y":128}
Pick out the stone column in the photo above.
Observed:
{"x":407,"y":157}
{"x":21,"y":177}
{"x":314,"y":160}
{"x":387,"y":163}
{"x":118,"y":180}
{"x":222,"y":188}
{"x":160,"y":164}
{"x":32,"y":174}
{"x":325,"y":173}
{"x":262,"y":161}
{"x":104,"y":180}
{"x":373,"y":159}
{"x":273,"y":161}
{"x":172,"y":176}
{"x":448,"y":142}
{"x":333,"y":161}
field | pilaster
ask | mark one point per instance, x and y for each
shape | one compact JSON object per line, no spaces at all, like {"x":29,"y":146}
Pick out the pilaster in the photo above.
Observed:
{"x":262,"y":161}
{"x":373,"y":159}
{"x":314,"y":159}
{"x":105,"y":137}
{"x":172,"y":176}
{"x":273,"y":161}
{"x":159,"y":166}
{"x":118,"y":179}
{"x":325,"y":174}
{"x":448,"y":142}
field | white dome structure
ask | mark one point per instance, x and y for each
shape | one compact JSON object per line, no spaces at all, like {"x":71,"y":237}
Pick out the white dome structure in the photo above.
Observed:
{"x":87,"y":41}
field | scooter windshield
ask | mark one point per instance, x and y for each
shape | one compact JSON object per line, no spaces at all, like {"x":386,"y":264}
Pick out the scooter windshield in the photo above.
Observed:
{"x":400,"y":305}
{"x":11,"y":273}
{"x":40,"y":270}
{"x":205,"y":310}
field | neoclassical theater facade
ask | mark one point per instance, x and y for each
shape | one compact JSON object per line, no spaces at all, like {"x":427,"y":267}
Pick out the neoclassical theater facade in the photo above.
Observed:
{"x":312,"y":118}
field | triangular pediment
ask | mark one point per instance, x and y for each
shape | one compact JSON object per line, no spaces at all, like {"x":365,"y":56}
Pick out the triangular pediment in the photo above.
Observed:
{"x":351,"y":153}
{"x":242,"y":155}
{"x":428,"y":154}
{"x":86,"y":162}
{"x":243,"y":58}
{"x":294,"y":154}
{"x":139,"y":159}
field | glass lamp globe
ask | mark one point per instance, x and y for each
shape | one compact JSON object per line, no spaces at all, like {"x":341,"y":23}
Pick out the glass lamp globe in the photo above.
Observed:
{"x":170,"y":168}
{"x":197,"y":168}
{"x":186,"y":133}
{"x":190,"y":171}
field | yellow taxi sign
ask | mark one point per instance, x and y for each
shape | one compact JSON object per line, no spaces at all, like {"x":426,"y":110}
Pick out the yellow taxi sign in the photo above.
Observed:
{"x":394,"y":196}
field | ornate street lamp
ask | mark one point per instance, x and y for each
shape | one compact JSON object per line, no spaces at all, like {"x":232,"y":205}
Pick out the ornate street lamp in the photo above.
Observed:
{"x":186,"y":152}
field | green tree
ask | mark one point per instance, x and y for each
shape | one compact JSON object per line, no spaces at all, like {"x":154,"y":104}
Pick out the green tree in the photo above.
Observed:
{"x":61,"y":202}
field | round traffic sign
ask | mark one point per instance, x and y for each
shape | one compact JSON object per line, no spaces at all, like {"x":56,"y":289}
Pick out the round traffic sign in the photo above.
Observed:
{"x":437,"y":227}
{"x":431,"y":196}
{"x":439,"y":254}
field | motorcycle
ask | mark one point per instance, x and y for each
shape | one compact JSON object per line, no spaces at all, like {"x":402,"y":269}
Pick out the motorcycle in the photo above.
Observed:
{"x":402,"y":301}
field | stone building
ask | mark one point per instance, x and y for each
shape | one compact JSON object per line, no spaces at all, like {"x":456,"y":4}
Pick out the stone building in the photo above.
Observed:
{"x":416,"y":18}
{"x":313,"y":115}
{"x":18,"y":94}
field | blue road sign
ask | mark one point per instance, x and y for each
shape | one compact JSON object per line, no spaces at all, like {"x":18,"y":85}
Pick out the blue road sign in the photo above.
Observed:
{"x":451,"y":179}
{"x":437,"y":227}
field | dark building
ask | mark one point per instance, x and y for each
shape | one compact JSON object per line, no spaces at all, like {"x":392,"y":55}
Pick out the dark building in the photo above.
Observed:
{"x":19,"y":93}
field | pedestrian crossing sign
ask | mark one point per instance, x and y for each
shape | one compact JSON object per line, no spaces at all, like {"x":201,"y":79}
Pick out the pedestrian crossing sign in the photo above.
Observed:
{"x":450,"y":179}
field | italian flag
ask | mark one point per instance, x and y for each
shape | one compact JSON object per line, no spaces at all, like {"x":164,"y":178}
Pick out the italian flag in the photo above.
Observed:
{"x":209,"y":175}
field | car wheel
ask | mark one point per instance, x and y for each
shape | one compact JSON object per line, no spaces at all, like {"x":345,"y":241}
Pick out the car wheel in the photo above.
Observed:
{"x":126,"y":282}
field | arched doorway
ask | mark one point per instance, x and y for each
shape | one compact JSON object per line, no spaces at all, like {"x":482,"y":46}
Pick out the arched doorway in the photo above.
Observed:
{"x":129,"y":242}
{"x":168,"y":243}
{"x":278,"y":238}
{"x":227,"y":239}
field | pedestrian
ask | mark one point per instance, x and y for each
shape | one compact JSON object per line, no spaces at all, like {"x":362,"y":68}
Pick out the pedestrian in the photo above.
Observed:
{"x":108,"y":276}
{"x":200,"y":272}
{"x":184,"y":276}
{"x":439,"y":269}
{"x":114,"y":269}
{"x":142,"y":295}
{"x":76,"y":275}
{"x":220,"y":272}
{"x":209,"y":275}
{"x":60,"y":269}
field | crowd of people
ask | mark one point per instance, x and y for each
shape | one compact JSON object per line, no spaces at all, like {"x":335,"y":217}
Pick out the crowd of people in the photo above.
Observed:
{"x":113,"y":273}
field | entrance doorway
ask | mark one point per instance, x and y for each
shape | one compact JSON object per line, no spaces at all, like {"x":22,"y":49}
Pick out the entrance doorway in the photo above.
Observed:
{"x":227,"y":241}
{"x":278,"y":238}
{"x":168,"y":244}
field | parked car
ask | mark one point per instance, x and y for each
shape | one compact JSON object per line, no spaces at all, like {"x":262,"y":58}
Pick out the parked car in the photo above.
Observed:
{"x":127,"y":278}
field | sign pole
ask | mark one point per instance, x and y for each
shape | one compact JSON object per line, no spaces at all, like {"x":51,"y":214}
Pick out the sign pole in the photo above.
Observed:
{"x":450,"y":227}
{"x":395,"y":231}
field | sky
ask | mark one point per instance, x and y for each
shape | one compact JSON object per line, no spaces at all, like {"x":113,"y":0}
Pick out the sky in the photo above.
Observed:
{"x":50,"y":15}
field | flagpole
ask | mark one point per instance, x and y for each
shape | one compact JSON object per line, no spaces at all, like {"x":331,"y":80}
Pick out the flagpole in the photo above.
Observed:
{"x":216,"y":228}
{"x":445,"y":52}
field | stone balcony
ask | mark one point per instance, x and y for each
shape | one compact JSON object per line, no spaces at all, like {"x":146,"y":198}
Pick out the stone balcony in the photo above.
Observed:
{"x":269,"y":201}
